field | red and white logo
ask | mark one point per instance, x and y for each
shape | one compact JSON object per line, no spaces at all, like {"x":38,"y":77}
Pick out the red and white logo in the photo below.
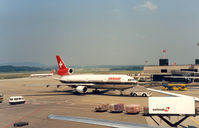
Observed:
{"x":60,"y":64}
{"x":167,"y":109}
{"x":162,"y":109}
{"x":114,"y":78}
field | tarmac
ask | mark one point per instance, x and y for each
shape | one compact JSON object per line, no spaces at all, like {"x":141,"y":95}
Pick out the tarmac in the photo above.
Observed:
{"x":42,"y":101}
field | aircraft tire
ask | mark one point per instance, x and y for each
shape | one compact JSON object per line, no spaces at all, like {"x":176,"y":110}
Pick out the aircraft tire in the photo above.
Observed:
{"x":144,"y":95}
{"x":133,"y":94}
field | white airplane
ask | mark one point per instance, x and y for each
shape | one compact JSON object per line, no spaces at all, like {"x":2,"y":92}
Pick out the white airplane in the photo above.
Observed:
{"x":80,"y":83}
{"x":43,"y":74}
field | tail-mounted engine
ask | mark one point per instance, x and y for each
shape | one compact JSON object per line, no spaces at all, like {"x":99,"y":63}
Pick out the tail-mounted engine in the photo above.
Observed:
{"x":70,"y":71}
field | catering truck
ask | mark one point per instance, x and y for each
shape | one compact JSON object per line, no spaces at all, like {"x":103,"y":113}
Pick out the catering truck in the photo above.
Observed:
{"x":172,"y":105}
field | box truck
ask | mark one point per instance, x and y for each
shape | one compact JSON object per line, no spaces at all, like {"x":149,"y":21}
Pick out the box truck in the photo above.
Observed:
{"x":171,"y":105}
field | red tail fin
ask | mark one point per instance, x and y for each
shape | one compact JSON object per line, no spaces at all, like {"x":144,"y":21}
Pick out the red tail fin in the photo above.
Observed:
{"x":63,"y":70}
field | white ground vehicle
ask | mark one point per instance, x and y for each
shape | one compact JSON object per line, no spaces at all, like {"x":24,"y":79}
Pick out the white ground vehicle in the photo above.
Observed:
{"x":172,"y":105}
{"x":164,"y":107}
{"x":16,"y":100}
{"x":141,"y":93}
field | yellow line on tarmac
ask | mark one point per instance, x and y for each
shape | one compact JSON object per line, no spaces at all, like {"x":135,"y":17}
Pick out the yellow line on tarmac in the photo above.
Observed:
{"x":194,"y":120}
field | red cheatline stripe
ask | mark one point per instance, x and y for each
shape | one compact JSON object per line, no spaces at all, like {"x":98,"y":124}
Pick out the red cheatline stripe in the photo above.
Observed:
{"x":24,"y":117}
{"x":36,"y":103}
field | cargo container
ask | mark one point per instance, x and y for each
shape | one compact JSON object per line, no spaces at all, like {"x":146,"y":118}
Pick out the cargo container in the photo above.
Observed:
{"x":116,"y":108}
{"x":1,"y":98}
{"x":172,"y":105}
{"x":101,"y":108}
{"x":132,"y":109}
{"x":145,"y":110}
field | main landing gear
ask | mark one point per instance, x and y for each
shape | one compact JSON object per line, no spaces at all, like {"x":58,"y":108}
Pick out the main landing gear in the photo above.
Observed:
{"x":121,"y":94}
{"x":76,"y":93}
{"x":96,"y":91}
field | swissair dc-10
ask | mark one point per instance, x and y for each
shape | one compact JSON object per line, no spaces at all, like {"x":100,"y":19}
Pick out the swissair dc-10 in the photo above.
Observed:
{"x":80,"y":83}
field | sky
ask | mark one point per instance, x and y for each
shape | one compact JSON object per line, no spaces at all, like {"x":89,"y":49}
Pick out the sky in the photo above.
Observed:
{"x":99,"y":32}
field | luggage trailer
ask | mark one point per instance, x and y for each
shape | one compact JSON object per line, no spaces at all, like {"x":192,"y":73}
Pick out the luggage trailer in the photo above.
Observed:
{"x":171,"y":106}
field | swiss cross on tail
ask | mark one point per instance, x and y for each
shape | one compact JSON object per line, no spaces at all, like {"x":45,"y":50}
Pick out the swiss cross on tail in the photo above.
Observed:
{"x":63,"y":70}
{"x":60,"y":64}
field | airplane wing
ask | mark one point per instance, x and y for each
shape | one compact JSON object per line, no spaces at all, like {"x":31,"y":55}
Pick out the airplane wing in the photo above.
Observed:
{"x":109,"y":123}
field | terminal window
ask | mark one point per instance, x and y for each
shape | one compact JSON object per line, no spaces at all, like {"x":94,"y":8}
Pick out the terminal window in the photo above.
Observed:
{"x":163,"y":70}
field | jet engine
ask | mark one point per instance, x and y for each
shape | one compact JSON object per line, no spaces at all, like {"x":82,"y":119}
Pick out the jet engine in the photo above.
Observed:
{"x":81,"y":89}
{"x":70,"y":71}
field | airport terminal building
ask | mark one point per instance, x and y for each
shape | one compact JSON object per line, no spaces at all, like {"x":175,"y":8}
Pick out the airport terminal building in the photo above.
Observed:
{"x":157,"y":73}
{"x":170,"y":69}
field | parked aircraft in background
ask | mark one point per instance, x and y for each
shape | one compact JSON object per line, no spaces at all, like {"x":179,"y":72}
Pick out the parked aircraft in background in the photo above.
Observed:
{"x":80,"y":83}
{"x":43,"y":74}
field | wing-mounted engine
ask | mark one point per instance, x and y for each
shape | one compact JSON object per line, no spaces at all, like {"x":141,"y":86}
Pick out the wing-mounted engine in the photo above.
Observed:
{"x":81,"y":89}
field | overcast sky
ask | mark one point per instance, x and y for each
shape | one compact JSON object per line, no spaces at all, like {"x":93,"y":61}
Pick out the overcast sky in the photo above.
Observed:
{"x":99,"y":32}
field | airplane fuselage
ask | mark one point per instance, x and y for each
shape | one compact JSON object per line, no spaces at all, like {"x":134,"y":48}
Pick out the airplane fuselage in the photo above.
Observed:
{"x":99,"y":81}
